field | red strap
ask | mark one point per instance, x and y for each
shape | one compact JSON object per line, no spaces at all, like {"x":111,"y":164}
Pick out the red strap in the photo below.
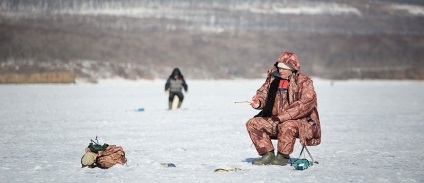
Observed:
{"x":283,"y":84}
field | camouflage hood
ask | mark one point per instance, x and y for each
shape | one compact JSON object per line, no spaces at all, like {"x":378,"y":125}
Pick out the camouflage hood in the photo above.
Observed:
{"x":288,"y":58}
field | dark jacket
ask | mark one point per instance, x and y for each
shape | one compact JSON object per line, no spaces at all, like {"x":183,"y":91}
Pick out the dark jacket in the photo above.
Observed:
{"x":176,"y":85}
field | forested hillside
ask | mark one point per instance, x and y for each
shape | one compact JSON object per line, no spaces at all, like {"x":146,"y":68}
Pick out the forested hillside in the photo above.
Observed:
{"x":222,"y":39}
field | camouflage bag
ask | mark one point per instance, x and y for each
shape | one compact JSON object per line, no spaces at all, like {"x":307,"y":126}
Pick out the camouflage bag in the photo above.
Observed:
{"x":112,"y":155}
{"x":102,"y":156}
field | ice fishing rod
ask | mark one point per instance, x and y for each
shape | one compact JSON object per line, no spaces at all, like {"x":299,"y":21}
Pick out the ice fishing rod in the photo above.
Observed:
{"x":94,"y":142}
{"x":244,"y":101}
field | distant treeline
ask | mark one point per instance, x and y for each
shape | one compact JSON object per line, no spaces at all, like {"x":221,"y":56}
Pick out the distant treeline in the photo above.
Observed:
{"x":367,"y":17}
{"x":45,"y":77}
{"x":105,"y":46}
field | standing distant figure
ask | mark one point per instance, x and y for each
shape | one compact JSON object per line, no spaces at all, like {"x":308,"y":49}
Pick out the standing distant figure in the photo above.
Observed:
{"x":174,"y":86}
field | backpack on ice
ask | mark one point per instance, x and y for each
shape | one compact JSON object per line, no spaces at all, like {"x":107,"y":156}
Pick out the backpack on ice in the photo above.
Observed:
{"x":103,"y":156}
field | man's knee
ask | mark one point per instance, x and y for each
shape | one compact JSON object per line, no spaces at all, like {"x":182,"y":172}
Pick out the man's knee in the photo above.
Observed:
{"x":254,"y":123}
{"x":250,"y":124}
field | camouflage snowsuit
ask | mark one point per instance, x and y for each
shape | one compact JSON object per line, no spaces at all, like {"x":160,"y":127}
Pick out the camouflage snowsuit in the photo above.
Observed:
{"x":294,"y":113}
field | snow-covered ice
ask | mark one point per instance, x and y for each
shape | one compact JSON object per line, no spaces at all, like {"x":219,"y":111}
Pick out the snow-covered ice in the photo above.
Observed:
{"x":372,"y":131}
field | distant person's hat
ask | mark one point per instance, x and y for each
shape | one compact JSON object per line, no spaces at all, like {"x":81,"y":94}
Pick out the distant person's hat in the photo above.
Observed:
{"x":284,"y":66}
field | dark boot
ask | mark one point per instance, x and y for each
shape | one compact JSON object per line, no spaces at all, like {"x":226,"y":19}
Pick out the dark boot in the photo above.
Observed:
{"x":179,"y":104}
{"x":265,"y":160}
{"x":280,"y":159}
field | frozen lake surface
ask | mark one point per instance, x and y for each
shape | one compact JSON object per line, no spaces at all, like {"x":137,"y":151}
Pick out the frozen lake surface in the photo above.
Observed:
{"x":372,"y":131}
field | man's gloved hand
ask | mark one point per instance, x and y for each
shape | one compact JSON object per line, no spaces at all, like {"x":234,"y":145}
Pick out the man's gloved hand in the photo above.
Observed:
{"x":255,"y":103}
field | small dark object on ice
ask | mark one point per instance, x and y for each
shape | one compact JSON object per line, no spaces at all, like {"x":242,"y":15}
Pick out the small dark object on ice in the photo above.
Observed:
{"x":168,"y":164}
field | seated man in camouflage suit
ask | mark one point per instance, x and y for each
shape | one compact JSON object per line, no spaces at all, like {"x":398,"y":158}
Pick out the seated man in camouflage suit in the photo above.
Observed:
{"x":289,"y":110}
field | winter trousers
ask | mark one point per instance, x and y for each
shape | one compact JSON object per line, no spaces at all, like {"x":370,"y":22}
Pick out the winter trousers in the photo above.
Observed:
{"x":263,"y":129}
{"x":179,"y":94}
